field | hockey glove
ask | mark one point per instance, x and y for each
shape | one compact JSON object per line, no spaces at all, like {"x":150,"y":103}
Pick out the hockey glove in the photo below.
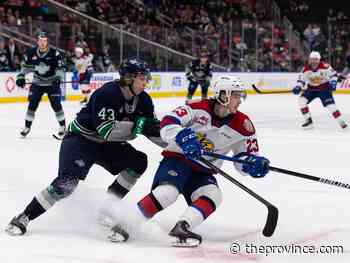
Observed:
{"x":333,"y":84}
{"x":255,"y":166}
{"x":149,"y":127}
{"x":20,"y":81}
{"x":296,"y":90}
{"x":190,"y":78}
{"x":186,"y":139}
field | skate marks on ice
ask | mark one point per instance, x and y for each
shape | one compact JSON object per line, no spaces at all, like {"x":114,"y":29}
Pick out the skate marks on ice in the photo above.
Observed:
{"x":240,"y":249}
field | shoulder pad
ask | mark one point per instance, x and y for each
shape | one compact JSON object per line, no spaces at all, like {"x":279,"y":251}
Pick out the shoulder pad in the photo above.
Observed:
{"x":242,"y":124}
{"x":31,"y":51}
{"x":323,"y":65}
{"x":306,"y":68}
{"x":200,"y":105}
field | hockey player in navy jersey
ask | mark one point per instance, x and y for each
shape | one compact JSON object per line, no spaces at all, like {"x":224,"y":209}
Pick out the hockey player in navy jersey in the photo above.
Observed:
{"x":48,"y":67}
{"x":199,"y":72}
{"x":99,"y":135}
{"x":212,"y":125}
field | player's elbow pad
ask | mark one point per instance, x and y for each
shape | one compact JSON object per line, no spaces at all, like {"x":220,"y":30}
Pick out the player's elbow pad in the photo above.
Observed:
{"x":169,"y":132}
{"x":158,"y":141}
{"x":121,"y":131}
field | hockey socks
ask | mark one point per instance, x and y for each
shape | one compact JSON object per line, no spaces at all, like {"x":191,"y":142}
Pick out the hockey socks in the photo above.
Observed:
{"x":198,"y":211}
{"x":34,"y":209}
{"x":149,"y":205}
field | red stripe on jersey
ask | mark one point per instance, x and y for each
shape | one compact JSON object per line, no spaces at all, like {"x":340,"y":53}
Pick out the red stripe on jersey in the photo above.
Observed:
{"x":242,"y":124}
{"x":205,"y":206}
{"x":322,"y":65}
{"x":336,"y":114}
{"x":201,"y":105}
{"x":148,"y":207}
{"x":319,"y":87}
{"x":168,"y":120}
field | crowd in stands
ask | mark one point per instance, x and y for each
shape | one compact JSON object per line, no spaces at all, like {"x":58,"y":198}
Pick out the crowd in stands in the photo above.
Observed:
{"x":10,"y":55}
{"x":242,"y":35}
{"x":330,"y":36}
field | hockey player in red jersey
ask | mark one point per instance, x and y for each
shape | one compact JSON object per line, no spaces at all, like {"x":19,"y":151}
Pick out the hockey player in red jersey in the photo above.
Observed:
{"x":209,"y":125}
{"x":84,"y":70}
{"x":320,"y":80}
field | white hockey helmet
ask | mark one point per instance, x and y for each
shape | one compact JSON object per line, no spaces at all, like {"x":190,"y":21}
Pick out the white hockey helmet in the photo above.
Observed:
{"x":315,"y":55}
{"x":78,"y":51}
{"x":225,"y":86}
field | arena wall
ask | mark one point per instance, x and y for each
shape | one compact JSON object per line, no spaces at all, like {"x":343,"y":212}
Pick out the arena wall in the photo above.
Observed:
{"x":163,"y":84}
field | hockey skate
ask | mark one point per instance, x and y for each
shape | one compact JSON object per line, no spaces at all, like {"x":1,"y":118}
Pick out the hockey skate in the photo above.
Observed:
{"x":308,"y":124}
{"x":184,"y":237}
{"x":343,"y":125}
{"x":61,"y":131}
{"x":118,"y":234}
{"x":25,"y":131}
{"x":18,"y":225}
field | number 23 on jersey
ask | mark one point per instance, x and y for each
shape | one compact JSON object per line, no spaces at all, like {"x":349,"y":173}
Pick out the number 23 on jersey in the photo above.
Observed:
{"x":252,"y":145}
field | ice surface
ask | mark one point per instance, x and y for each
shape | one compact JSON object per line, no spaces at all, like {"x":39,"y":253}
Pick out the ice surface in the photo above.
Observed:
{"x":311,"y":214}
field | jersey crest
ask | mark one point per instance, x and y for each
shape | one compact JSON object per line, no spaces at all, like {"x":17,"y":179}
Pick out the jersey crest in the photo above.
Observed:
{"x":248,"y":126}
{"x":206,"y":144}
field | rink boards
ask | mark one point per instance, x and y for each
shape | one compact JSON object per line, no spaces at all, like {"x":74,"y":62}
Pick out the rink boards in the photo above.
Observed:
{"x":163,"y":84}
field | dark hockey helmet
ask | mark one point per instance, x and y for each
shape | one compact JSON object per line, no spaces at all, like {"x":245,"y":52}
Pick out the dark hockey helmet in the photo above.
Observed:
{"x":41,"y":34}
{"x":42,"y":41}
{"x":129,"y":68}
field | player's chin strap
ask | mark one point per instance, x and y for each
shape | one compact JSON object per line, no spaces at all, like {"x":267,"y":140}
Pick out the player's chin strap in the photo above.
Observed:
{"x":130,"y":86}
{"x":280,"y":170}
{"x":124,"y":82}
{"x":221,"y":110}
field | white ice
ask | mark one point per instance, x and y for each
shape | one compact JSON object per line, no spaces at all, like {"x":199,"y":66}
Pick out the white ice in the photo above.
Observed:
{"x":311,"y":213}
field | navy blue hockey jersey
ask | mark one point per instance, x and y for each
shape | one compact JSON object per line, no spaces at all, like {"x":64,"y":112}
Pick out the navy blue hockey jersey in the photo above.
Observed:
{"x":46,"y":66}
{"x":107,"y":105}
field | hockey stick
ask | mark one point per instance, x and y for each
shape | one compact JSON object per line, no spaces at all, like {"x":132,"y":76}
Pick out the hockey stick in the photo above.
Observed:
{"x":284,"y":171}
{"x":55,"y":136}
{"x":272,"y":215}
{"x":270,"y":92}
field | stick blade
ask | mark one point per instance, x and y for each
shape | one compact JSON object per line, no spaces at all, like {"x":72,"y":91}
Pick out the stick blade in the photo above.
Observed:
{"x":271,"y":91}
{"x":256,"y":89}
{"x":271,"y":221}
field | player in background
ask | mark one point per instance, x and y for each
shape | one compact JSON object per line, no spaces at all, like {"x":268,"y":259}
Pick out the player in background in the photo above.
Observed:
{"x":199,"y":72}
{"x":83,"y":68}
{"x":99,"y":135}
{"x":346,"y":71}
{"x":320,"y":80}
{"x":4,"y":59}
{"x":212,"y":125}
{"x":48,"y":67}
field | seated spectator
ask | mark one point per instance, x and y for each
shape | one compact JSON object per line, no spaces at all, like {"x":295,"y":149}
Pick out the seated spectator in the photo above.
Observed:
{"x":4,"y":60}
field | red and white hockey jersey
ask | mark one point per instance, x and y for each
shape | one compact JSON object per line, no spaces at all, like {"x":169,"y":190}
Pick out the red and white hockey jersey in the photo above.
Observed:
{"x":82,"y":63}
{"x":234,"y":133}
{"x":318,"y":78}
